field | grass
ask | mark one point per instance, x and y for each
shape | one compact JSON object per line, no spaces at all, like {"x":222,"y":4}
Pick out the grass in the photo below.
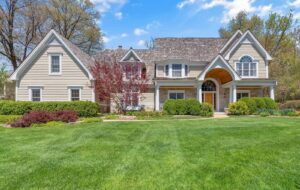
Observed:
{"x":231,"y":153}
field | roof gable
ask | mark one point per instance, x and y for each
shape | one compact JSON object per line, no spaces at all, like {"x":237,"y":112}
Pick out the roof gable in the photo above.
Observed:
{"x":248,"y":37}
{"x":220,"y":63}
{"x":52,"y":38}
{"x":231,"y":41}
{"x":131,"y":56}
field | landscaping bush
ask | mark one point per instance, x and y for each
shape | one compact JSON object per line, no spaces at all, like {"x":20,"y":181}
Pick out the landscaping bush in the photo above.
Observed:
{"x":251,"y":104}
{"x":206,"y":110}
{"x":170,"y":107}
{"x":264,"y":114}
{"x":260,"y":103}
{"x":181,"y":107}
{"x":7,"y":119}
{"x":287,"y":112}
{"x":193,"y":107}
{"x":292,"y":114}
{"x":83,"y":108}
{"x":270,"y":103}
{"x":238,"y":108}
{"x":43,"y":117}
{"x":91,"y":119}
{"x":147,"y":114}
{"x":188,"y":107}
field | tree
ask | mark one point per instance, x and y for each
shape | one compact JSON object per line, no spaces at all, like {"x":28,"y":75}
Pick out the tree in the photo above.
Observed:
{"x":76,"y":21}
{"x":120,"y":84}
{"x":20,"y":28}
{"x":3,"y":78}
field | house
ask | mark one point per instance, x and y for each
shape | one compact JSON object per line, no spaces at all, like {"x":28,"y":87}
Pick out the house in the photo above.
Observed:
{"x":213,"y":70}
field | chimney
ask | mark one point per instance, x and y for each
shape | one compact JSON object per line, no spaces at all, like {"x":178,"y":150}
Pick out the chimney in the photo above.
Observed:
{"x":120,"y":47}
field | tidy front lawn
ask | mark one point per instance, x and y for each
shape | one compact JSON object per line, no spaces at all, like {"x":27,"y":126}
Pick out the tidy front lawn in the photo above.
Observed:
{"x":233,"y":153}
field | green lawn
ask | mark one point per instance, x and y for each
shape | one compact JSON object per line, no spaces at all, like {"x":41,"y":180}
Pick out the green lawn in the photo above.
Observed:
{"x":233,"y":153}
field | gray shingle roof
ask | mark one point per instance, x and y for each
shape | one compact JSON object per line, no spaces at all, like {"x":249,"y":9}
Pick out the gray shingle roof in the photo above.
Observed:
{"x":81,"y":55}
{"x":194,"y":49}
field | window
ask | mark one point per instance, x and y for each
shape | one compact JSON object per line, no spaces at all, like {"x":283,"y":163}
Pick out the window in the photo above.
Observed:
{"x":75,"y":94}
{"x":246,"y":67}
{"x":132,"y":71}
{"x":55,"y":66}
{"x":176,"y":70}
{"x":35,"y":94}
{"x":167,"y":70}
{"x":176,"y":94}
{"x":242,"y":94}
{"x":209,"y":86}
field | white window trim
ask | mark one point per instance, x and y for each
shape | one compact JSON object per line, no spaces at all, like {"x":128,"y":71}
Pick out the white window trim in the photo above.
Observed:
{"x":176,"y":91}
{"x":170,"y":73}
{"x":244,"y":91}
{"x":74,"y":88}
{"x":30,"y":88}
{"x":253,"y":61}
{"x":50,"y":62}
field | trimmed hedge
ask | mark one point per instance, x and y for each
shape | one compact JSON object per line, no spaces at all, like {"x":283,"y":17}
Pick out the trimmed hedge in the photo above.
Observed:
{"x":82,"y":108}
{"x":187,"y":107}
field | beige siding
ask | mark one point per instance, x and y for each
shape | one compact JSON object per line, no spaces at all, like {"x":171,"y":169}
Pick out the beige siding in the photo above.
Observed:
{"x":160,"y":71}
{"x":248,"y":49}
{"x":148,"y":100}
{"x":195,"y":70}
{"x":55,"y":88}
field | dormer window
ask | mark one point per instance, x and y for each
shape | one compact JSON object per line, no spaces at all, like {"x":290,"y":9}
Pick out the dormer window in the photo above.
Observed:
{"x":246,"y":67}
{"x":176,"y":70}
{"x":54,"y":64}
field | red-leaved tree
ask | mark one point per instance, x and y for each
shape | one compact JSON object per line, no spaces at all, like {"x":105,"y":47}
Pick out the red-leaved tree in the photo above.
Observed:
{"x":121,"y":84}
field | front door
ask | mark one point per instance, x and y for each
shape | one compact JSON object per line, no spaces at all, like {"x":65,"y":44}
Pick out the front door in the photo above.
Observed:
{"x":209,"y":97}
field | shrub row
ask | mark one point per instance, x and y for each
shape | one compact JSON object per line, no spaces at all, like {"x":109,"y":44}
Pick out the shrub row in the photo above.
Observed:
{"x":36,"y":117}
{"x":188,"y":107}
{"x":82,"y":108}
{"x":146,"y":113}
{"x":257,"y":103}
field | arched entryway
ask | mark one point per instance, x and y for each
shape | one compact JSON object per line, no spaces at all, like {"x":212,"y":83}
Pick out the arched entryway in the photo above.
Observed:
{"x":210,"y":92}
{"x":212,"y":88}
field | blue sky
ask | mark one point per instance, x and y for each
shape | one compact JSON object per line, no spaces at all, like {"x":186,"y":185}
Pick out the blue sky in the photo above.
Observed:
{"x":133,"y":22}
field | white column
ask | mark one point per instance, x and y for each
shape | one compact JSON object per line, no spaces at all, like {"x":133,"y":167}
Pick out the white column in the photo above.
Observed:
{"x":230,"y":94}
{"x":234,"y":93}
{"x":272,"y":92}
{"x":199,"y":92}
{"x":156,"y":97}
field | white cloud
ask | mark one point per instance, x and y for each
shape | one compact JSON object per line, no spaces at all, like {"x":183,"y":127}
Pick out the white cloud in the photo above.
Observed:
{"x":124,"y":35}
{"x":295,"y":3}
{"x":231,"y":7}
{"x":139,"y":31}
{"x":185,"y":3}
{"x":153,"y":25}
{"x":106,"y":39}
{"x":141,"y":43}
{"x":119,"y":15}
{"x":104,"y":5}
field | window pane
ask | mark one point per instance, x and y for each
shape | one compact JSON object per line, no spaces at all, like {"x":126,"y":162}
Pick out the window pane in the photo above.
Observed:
{"x":239,"y":68}
{"x":246,"y":69}
{"x":55,"y":68}
{"x":176,"y":70}
{"x":167,"y":70}
{"x":253,"y":69}
{"x":75,"y":94}
{"x":180,"y":95}
{"x":172,"y":96}
{"x":36,"y":95}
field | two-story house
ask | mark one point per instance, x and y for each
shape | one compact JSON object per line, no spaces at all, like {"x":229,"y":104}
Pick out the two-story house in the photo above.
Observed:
{"x":213,"y":70}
